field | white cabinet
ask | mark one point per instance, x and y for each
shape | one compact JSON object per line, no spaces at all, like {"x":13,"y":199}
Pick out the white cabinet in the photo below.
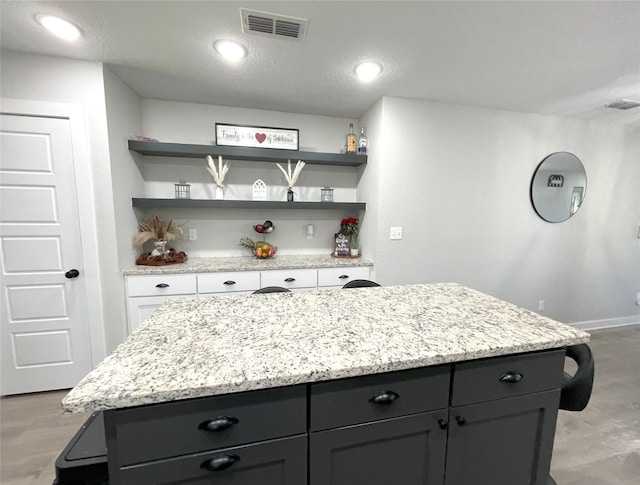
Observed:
{"x":292,"y":279}
{"x":221,"y":283}
{"x":145,"y":293}
{"x":329,"y":278}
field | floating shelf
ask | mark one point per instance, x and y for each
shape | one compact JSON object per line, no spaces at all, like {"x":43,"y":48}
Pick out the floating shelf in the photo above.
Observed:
{"x":183,"y":150}
{"x":144,"y":203}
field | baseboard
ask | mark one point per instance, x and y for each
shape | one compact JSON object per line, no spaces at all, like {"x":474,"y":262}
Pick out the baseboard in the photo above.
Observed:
{"x":607,"y":323}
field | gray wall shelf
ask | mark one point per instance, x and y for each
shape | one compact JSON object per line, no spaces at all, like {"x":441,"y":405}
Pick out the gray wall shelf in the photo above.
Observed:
{"x":183,"y":150}
{"x":145,"y":203}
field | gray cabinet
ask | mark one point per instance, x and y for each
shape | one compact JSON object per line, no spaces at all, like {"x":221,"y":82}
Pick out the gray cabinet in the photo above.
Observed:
{"x":229,"y":439}
{"x":502,"y":419}
{"x":485,"y":422}
{"x":409,"y":450}
{"x":503,"y":442}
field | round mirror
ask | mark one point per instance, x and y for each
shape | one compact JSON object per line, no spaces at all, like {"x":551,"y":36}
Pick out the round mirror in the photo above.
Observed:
{"x":558,"y":187}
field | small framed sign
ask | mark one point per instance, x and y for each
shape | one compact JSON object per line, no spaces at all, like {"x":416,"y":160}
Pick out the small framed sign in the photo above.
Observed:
{"x":256,"y":137}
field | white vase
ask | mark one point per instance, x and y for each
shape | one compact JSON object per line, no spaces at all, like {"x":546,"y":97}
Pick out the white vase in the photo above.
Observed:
{"x":355,"y":252}
{"x":219,"y":192}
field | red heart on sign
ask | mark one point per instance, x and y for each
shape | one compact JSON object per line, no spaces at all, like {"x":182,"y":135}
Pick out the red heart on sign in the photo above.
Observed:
{"x":261,"y":137}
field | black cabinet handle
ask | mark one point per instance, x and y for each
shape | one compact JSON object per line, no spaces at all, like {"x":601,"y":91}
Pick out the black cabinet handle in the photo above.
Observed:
{"x":229,"y":282}
{"x":289,"y":280}
{"x":218,"y":424}
{"x":443,"y":424}
{"x":511,"y":377}
{"x":461,"y":421}
{"x":343,"y":276}
{"x":386,"y":397}
{"x":220,"y":463}
{"x":162,"y":285}
{"x":72,"y":273}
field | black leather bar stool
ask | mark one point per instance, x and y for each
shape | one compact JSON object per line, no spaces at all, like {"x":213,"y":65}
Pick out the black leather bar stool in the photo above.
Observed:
{"x":576,"y":389}
{"x":272,"y":289}
{"x":360,"y":284}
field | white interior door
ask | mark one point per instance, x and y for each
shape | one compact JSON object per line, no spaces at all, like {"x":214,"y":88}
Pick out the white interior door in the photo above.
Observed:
{"x":44,"y":328}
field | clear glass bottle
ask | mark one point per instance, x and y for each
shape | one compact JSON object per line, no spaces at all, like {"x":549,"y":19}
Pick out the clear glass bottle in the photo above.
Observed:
{"x":362,"y":143}
{"x":352,"y":141}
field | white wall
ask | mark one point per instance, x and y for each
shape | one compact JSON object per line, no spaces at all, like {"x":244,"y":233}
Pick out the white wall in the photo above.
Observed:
{"x":220,"y":230}
{"x":457,"y":180}
{"x":42,"y":78}
{"x":123,"y":120}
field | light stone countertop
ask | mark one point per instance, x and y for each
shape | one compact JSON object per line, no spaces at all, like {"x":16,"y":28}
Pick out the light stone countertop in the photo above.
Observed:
{"x":249,"y":263}
{"x":208,"y":346}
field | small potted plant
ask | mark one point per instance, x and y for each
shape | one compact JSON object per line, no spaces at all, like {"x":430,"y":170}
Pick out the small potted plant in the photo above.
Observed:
{"x":351,"y":228}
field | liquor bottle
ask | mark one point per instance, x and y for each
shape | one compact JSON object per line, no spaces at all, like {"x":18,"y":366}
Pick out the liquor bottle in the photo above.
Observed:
{"x":362,"y":143}
{"x":352,"y":141}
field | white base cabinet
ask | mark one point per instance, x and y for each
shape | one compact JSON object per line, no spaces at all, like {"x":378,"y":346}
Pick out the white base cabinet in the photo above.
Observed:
{"x":146,"y":293}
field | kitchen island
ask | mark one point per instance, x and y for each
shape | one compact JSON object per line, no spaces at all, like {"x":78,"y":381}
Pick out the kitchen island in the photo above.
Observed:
{"x":333,"y":387}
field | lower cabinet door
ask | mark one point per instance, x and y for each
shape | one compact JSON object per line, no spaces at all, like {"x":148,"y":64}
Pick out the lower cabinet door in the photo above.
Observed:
{"x":275,"y":462}
{"x":409,"y":450}
{"x":502,"y":442}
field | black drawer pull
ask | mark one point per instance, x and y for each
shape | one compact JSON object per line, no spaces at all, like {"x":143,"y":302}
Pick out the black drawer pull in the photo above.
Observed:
{"x":289,"y":280}
{"x":162,"y":285}
{"x":229,"y":282}
{"x":220,"y":463}
{"x":461,"y":421}
{"x":343,"y":276}
{"x":386,"y":397}
{"x":511,"y":377}
{"x":218,"y":424}
{"x":443,"y":424}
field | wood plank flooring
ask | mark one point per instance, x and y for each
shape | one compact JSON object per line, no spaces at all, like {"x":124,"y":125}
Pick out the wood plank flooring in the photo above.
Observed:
{"x":599,"y":446}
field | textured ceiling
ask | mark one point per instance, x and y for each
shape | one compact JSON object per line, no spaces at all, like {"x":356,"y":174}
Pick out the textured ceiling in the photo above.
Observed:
{"x":558,"y":58}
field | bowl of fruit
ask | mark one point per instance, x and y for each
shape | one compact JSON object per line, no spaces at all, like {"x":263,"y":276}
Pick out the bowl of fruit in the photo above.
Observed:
{"x":260,"y":249}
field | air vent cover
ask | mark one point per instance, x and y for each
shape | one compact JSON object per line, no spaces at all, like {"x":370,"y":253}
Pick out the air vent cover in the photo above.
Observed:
{"x":624,"y":104}
{"x":264,"y":23}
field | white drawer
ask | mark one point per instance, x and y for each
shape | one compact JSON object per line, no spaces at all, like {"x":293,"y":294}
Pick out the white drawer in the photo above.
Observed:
{"x":228,"y":282}
{"x":341,"y":276}
{"x":160,"y":285}
{"x":291,"y":278}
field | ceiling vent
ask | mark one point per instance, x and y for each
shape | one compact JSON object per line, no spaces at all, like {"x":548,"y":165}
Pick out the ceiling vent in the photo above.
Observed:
{"x":624,"y":104}
{"x":264,"y":23}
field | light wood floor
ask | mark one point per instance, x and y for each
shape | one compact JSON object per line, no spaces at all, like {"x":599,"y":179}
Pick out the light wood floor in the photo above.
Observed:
{"x":599,"y":446}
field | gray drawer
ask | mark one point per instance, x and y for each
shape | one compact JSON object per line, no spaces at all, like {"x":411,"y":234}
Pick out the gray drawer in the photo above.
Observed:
{"x":489,"y":379}
{"x":165,"y":430}
{"x":276,"y":462}
{"x":351,"y":401}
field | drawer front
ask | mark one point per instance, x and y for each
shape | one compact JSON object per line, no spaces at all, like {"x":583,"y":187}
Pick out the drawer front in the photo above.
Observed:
{"x":501,"y":377}
{"x":370,"y":398}
{"x":179,"y":428}
{"x":275,"y":462}
{"x":342,"y":276}
{"x":228,"y":282}
{"x":161,"y":285}
{"x":293,"y":278}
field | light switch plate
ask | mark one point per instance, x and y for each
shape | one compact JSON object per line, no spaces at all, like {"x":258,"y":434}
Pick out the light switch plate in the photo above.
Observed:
{"x":193,"y":234}
{"x":395,"y":233}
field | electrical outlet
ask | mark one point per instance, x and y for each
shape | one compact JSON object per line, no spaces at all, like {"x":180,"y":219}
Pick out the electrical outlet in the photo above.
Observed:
{"x":638,"y":298}
{"x":395,"y":233}
{"x":193,"y":234}
{"x":541,"y":306}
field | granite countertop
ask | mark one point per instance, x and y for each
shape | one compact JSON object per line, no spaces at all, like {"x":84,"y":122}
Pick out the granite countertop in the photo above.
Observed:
{"x":202,"y":347}
{"x":249,"y":263}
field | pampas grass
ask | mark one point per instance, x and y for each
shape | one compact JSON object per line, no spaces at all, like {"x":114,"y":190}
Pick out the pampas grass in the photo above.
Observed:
{"x":292,"y":178}
{"x":156,"y":230}
{"x":218,"y":173}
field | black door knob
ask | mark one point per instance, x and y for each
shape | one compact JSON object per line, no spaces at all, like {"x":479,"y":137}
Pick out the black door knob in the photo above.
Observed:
{"x":72,"y":273}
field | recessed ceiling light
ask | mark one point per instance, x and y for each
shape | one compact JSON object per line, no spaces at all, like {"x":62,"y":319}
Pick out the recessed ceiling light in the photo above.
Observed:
{"x":59,"y":27}
{"x":230,"y":50}
{"x":368,"y":71}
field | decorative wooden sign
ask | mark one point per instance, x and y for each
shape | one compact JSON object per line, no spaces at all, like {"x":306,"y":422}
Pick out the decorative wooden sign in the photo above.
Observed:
{"x":256,"y":137}
{"x":259,"y":190}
